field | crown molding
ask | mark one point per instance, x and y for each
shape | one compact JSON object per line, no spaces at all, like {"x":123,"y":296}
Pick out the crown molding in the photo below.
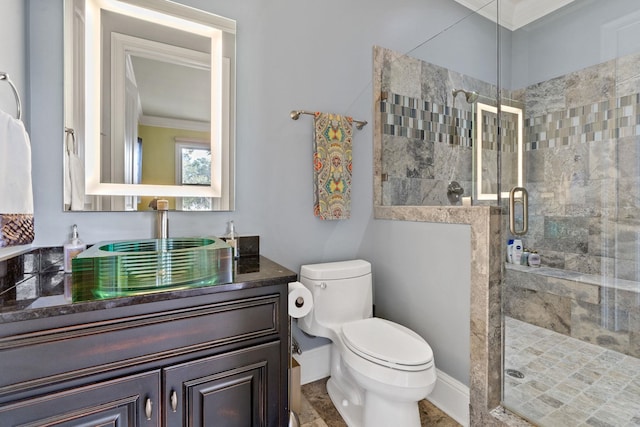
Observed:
{"x":171,"y":123}
{"x":514,"y":14}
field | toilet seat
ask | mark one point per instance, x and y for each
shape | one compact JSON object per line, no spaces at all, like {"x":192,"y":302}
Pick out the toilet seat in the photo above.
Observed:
{"x":388,"y":344}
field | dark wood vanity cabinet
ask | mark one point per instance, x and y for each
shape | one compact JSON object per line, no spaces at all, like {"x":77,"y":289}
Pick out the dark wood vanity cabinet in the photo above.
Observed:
{"x":227,"y":390}
{"x":212,"y":359}
{"x":126,"y":401}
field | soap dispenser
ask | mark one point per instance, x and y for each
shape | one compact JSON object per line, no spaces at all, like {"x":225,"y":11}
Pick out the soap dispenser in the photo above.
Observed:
{"x":232,"y":240}
{"x":72,"y":248}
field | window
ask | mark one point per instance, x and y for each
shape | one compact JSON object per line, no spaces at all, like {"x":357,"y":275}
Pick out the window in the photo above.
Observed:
{"x":193,"y":167}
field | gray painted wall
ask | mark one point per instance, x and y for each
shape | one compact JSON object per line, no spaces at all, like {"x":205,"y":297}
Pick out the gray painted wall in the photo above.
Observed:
{"x":579,"y":35}
{"x":291,"y":55}
{"x":422,"y":274}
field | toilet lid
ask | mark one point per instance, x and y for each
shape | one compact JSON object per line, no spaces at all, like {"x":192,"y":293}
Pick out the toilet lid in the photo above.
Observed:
{"x":387,"y":343}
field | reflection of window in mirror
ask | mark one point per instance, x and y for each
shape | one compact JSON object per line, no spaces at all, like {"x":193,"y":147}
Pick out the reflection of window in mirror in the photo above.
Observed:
{"x":137,"y":162}
{"x":193,"y":167}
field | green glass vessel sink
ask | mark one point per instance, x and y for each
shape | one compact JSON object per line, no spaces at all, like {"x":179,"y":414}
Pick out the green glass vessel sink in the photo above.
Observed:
{"x":138,"y":267}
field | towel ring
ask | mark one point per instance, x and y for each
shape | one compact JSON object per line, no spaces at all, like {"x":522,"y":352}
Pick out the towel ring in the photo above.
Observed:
{"x":5,"y":76}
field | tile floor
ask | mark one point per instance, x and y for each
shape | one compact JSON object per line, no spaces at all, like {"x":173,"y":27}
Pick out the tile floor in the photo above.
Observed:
{"x":568,"y":382}
{"x":318,"y":410}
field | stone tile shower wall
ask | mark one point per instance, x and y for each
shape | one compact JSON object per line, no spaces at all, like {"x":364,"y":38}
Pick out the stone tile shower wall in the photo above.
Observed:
{"x":582,"y":169}
{"x":582,"y":151}
{"x":426,"y":140}
{"x":425,"y":146}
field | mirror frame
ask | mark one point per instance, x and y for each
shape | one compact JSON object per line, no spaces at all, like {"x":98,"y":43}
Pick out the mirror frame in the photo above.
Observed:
{"x":222,"y":123}
{"x":480,"y":108}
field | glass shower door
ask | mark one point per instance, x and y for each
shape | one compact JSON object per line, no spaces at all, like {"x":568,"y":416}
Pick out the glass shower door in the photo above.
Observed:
{"x":572,"y":325}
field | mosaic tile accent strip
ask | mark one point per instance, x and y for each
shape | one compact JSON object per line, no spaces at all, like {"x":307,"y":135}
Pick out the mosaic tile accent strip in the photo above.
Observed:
{"x":429,"y":121}
{"x":598,"y":121}
{"x":509,"y":132}
{"x":426,"y":120}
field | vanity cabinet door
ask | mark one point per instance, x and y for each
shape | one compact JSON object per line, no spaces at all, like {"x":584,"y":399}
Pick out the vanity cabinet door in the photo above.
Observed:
{"x":236,"y":389}
{"x":123,"y":402}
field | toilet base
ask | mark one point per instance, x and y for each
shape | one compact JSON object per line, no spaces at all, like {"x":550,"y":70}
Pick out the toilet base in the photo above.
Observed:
{"x":381,"y":412}
{"x":350,"y":413}
{"x":377,"y":411}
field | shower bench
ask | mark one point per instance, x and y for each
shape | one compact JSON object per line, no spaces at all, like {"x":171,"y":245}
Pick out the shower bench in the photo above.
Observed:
{"x":593,"y":308}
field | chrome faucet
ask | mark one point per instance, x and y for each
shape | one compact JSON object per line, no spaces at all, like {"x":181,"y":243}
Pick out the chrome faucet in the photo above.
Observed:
{"x":162,"y":220}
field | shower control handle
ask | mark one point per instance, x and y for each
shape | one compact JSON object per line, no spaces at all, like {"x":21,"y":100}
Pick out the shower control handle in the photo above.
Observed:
{"x":525,"y":211}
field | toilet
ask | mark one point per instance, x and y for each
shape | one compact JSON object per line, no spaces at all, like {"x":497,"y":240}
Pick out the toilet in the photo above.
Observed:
{"x":379,"y":369}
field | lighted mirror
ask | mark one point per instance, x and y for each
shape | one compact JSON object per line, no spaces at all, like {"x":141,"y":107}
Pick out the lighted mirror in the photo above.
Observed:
{"x":149,"y":106}
{"x":486,"y":133}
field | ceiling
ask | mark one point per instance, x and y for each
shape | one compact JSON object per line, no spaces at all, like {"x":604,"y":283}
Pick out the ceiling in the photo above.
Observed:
{"x":514,"y":13}
{"x":187,"y":97}
{"x":172,"y":91}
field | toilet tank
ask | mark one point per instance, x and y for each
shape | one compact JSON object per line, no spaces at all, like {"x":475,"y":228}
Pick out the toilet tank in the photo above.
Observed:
{"x":342,"y":292}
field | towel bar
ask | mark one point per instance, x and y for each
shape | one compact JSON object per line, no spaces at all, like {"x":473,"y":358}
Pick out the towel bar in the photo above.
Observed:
{"x":70,"y":132}
{"x":5,"y":76}
{"x":295,"y":115}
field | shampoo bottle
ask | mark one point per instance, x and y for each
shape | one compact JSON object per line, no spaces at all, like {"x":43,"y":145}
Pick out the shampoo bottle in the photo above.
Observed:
{"x":72,"y":248}
{"x":510,"y":251}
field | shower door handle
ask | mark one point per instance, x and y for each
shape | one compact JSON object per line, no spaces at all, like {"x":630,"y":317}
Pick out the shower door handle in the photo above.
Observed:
{"x":525,"y":211}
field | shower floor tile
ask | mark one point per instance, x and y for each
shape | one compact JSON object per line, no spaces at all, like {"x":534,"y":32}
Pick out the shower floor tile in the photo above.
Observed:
{"x":568,"y":382}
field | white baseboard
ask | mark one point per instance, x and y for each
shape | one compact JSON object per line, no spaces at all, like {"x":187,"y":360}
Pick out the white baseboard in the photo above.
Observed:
{"x":449,"y":394}
{"x":452,"y":397}
{"x":314,"y":364}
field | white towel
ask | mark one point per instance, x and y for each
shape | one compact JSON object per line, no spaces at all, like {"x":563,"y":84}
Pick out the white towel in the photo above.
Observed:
{"x":76,"y":171}
{"x":73,"y":179}
{"x":67,"y":182}
{"x":16,"y":191}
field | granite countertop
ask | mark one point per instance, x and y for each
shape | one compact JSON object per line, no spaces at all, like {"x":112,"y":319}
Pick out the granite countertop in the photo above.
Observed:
{"x":33,"y":285}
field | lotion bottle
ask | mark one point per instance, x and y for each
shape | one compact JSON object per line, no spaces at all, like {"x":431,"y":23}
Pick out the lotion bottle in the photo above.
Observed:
{"x":72,"y":248}
{"x":517,"y":251}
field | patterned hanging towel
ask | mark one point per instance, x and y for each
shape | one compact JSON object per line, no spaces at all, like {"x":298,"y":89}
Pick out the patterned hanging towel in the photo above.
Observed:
{"x":332,"y":166}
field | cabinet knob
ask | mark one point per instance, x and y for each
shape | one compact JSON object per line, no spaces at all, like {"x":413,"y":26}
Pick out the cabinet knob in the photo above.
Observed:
{"x":174,"y":401}
{"x":148,"y":409}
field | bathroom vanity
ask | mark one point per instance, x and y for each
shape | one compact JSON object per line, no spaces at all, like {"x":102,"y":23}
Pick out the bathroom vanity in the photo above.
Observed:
{"x":197,"y":357}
